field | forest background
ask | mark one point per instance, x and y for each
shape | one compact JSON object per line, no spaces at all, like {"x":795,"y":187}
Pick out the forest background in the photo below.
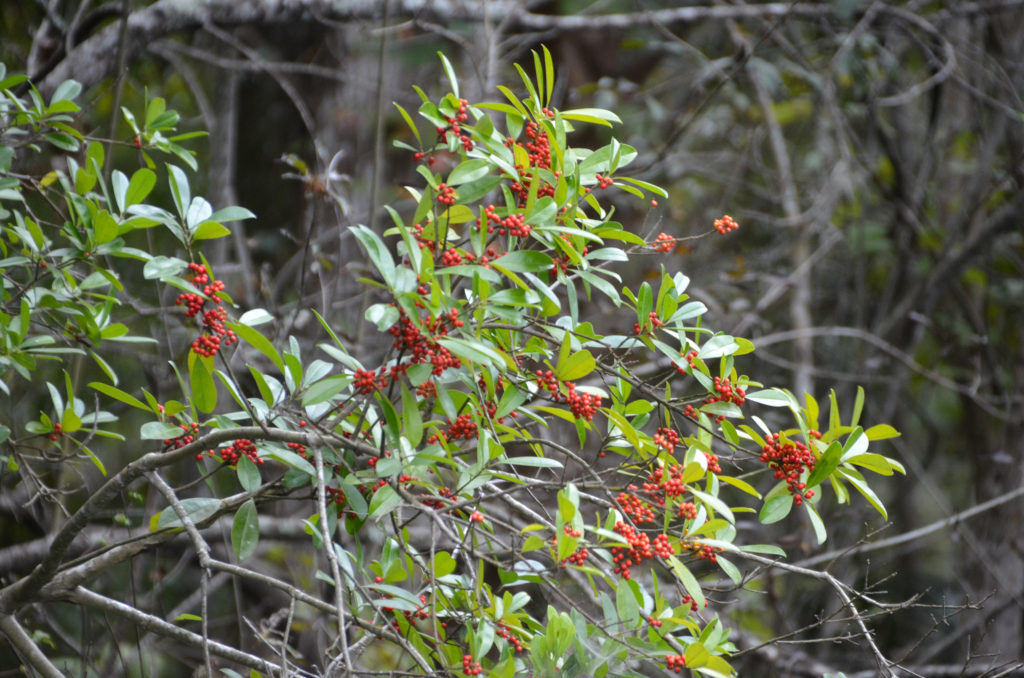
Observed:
{"x":871,"y":151}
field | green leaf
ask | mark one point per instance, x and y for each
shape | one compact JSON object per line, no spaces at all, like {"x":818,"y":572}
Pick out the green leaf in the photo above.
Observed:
{"x":209,"y":230}
{"x":180,"y":191}
{"x":450,"y":72}
{"x":689,"y":581}
{"x":523,"y":261}
{"x":289,"y":458}
{"x":259,"y":342}
{"x":378,"y":253}
{"x":473,"y":351}
{"x":534,"y":462}
{"x":825,"y":465}
{"x":248,"y":474}
{"x":881,"y":432}
{"x":469,"y":170}
{"x":197,"y":509}
{"x":767,"y":549}
{"x":384,"y":501}
{"x":816,"y":522}
{"x":232,"y":213}
{"x":772,"y":397}
{"x":158,"y":430}
{"x":576,"y":366}
{"x":143,"y":181}
{"x":118,"y":394}
{"x":325,"y":389}
{"x":204,"y":389}
{"x":245,"y":531}
{"x":412,"y":421}
{"x":597,"y":116}
{"x":777,"y":504}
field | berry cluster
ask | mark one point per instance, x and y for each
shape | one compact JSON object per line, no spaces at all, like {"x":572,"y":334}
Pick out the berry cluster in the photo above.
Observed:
{"x":663,"y":243}
{"x":652,"y":323}
{"x":639,"y":549}
{"x":538,"y":149}
{"x":701,"y":550}
{"x":667,"y":439}
{"x":514,"y":224}
{"x":446,"y":195}
{"x":450,"y":257}
{"x":367,"y":381}
{"x":693,"y":603}
{"x":675,"y":662}
{"x":455,"y":127}
{"x":191,"y":430}
{"x":603,"y":181}
{"x":727,"y":392}
{"x":582,"y":405}
{"x":476,"y":517}
{"x":424,"y":349}
{"x":656,"y":623}
{"x":462,"y":428}
{"x":789,"y":459}
{"x":212,"y":324}
{"x":505,"y":631}
{"x":470,"y":667}
{"x":634,"y":507}
{"x":691,"y":360}
{"x":233,"y":452}
{"x":577,"y":557}
{"x":725,"y":224}
{"x":58,"y":431}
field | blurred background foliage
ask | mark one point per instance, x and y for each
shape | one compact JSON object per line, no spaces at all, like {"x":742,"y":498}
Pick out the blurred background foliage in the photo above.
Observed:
{"x":871,"y":151}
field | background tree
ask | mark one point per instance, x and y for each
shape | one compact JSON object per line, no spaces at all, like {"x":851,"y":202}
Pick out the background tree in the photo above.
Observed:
{"x":870,"y":151}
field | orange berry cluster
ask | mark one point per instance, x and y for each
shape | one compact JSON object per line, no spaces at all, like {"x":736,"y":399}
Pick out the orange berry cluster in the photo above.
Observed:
{"x":725,"y":224}
{"x":667,"y":439}
{"x":789,"y":460}
{"x":663,"y":243}
{"x":701,"y":550}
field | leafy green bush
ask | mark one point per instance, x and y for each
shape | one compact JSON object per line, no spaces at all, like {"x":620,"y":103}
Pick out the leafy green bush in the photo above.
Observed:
{"x":506,"y":484}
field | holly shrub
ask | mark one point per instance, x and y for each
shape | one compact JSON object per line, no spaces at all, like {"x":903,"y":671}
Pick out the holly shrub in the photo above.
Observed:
{"x":505,"y":483}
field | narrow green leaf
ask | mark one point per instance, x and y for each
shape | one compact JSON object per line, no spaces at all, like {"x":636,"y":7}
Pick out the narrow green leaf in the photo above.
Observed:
{"x":118,"y":394}
{"x":245,"y":531}
{"x":204,"y":388}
